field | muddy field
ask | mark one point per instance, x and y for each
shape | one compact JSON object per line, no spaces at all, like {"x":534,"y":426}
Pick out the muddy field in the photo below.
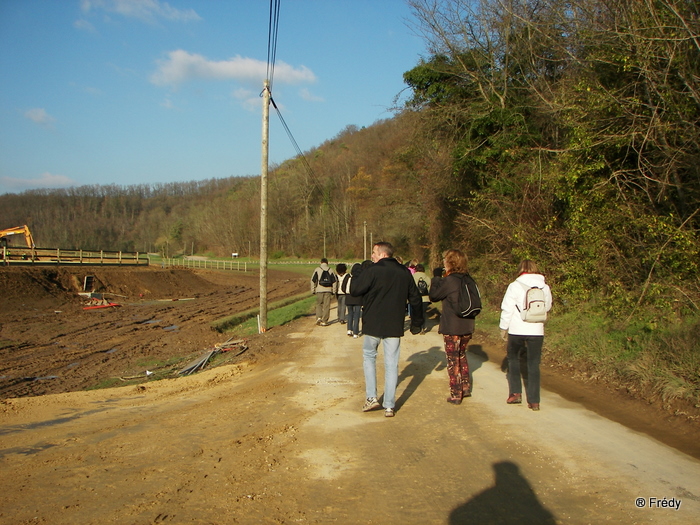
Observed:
{"x":52,"y":341}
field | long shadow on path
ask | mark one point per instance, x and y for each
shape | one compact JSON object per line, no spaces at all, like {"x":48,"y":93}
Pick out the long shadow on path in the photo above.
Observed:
{"x":419,"y":366}
{"x":423,"y":363}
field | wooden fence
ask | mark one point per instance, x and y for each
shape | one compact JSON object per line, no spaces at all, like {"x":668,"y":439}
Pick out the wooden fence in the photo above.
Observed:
{"x":44,"y":256}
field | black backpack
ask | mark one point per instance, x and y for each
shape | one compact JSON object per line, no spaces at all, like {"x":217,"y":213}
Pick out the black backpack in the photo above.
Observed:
{"x":327,"y":278}
{"x":469,"y":302}
{"x":422,"y":286}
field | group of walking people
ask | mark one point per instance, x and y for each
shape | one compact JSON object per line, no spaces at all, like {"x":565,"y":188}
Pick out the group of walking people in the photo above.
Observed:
{"x":382,"y":291}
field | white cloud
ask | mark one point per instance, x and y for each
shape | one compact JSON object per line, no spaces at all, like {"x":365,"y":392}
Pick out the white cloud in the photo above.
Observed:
{"x":306,"y":95}
{"x":39,"y":116}
{"x":84,"y":25}
{"x":167,"y":103}
{"x":145,"y":10}
{"x":248,"y":98}
{"x":181,"y":66}
{"x":92,"y":91}
{"x":45,"y":180}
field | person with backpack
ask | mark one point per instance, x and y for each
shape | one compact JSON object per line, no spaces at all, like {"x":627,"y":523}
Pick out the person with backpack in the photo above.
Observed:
{"x":324,"y":283}
{"x":523,"y":311}
{"x":343,"y":290}
{"x":423,"y":284}
{"x":456,"y":330}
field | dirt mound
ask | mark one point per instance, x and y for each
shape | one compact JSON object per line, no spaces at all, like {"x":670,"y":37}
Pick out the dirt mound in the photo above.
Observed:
{"x":49,"y":342}
{"x":39,"y":283}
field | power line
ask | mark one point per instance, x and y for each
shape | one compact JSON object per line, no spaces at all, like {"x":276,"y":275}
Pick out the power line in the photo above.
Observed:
{"x":273,"y":28}
{"x":314,"y":179}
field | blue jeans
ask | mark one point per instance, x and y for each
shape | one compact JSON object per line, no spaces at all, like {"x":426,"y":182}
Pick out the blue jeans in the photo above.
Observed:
{"x":530,"y":348}
{"x":392,"y":349}
{"x":354,"y":313}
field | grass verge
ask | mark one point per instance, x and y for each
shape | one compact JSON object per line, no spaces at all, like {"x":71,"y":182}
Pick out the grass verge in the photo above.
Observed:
{"x":279,"y":313}
{"x":658,"y":362}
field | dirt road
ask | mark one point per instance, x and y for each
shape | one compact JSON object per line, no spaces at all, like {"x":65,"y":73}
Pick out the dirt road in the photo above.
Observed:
{"x":284,"y":441}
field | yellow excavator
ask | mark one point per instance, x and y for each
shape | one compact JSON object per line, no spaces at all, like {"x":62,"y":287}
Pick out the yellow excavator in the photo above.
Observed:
{"x":6,"y":235}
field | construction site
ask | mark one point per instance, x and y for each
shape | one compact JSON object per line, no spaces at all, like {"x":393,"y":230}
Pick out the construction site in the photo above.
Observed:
{"x":25,"y":253}
{"x":74,"y":327}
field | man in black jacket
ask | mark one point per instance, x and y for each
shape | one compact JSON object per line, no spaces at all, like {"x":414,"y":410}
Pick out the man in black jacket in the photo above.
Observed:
{"x":385,"y":288}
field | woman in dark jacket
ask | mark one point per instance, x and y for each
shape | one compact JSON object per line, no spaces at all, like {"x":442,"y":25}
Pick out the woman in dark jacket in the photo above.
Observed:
{"x":456,"y":331}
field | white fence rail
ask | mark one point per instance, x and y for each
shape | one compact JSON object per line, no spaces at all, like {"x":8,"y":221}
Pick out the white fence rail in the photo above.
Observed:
{"x":206,"y":264}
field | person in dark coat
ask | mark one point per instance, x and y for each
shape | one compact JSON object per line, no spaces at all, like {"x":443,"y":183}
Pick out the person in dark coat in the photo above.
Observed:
{"x":385,"y":288}
{"x":456,"y":331}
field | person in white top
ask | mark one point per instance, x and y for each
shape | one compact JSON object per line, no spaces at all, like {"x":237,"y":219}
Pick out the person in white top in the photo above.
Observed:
{"x":524,"y":338}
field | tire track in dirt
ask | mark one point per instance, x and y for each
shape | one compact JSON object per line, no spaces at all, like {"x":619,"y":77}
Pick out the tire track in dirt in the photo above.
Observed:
{"x":164,"y":315}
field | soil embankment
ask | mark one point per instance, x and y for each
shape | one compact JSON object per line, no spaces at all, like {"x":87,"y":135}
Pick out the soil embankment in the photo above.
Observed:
{"x":50,"y":344}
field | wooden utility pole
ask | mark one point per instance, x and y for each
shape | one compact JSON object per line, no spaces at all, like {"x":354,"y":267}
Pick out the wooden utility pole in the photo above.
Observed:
{"x":364,"y":240}
{"x":263,"y":206}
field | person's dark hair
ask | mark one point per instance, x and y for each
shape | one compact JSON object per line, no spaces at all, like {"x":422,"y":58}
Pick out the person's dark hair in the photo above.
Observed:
{"x":455,"y":261}
{"x":437,"y":272}
{"x":527,"y":266}
{"x":420,"y":267}
{"x":324,"y":260}
{"x":366,"y":264}
{"x":341,"y":268}
{"x":385,"y":248}
{"x":356,"y":269}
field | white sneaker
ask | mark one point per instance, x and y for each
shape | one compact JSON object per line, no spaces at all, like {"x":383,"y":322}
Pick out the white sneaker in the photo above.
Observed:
{"x":371,"y":404}
{"x":354,"y":336}
{"x":349,"y":332}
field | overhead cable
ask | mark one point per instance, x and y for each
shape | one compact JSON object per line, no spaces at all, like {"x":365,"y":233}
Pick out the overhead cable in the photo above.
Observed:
{"x":272,"y":39}
{"x":340,"y":213}
{"x":271,"y":57}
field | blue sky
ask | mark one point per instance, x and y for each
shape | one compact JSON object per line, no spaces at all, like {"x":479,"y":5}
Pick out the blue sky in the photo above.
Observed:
{"x":146,"y":91}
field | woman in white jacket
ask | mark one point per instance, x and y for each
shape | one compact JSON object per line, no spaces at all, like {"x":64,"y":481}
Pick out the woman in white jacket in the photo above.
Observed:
{"x":523,"y":337}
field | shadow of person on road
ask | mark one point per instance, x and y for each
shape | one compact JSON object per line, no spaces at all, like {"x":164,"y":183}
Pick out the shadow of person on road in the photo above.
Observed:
{"x":419,"y":366}
{"x":476,"y":357}
{"x":425,"y":362}
{"x":510,"y":500}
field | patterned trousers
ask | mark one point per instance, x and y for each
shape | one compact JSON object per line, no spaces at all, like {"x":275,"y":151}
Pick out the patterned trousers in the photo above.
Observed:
{"x":457,"y":365}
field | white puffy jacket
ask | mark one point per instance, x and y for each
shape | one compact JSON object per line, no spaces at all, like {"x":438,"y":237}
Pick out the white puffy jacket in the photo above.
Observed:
{"x":515,"y":296}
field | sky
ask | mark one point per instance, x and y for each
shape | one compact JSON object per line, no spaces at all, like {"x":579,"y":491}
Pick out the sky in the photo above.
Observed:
{"x":124,"y":92}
